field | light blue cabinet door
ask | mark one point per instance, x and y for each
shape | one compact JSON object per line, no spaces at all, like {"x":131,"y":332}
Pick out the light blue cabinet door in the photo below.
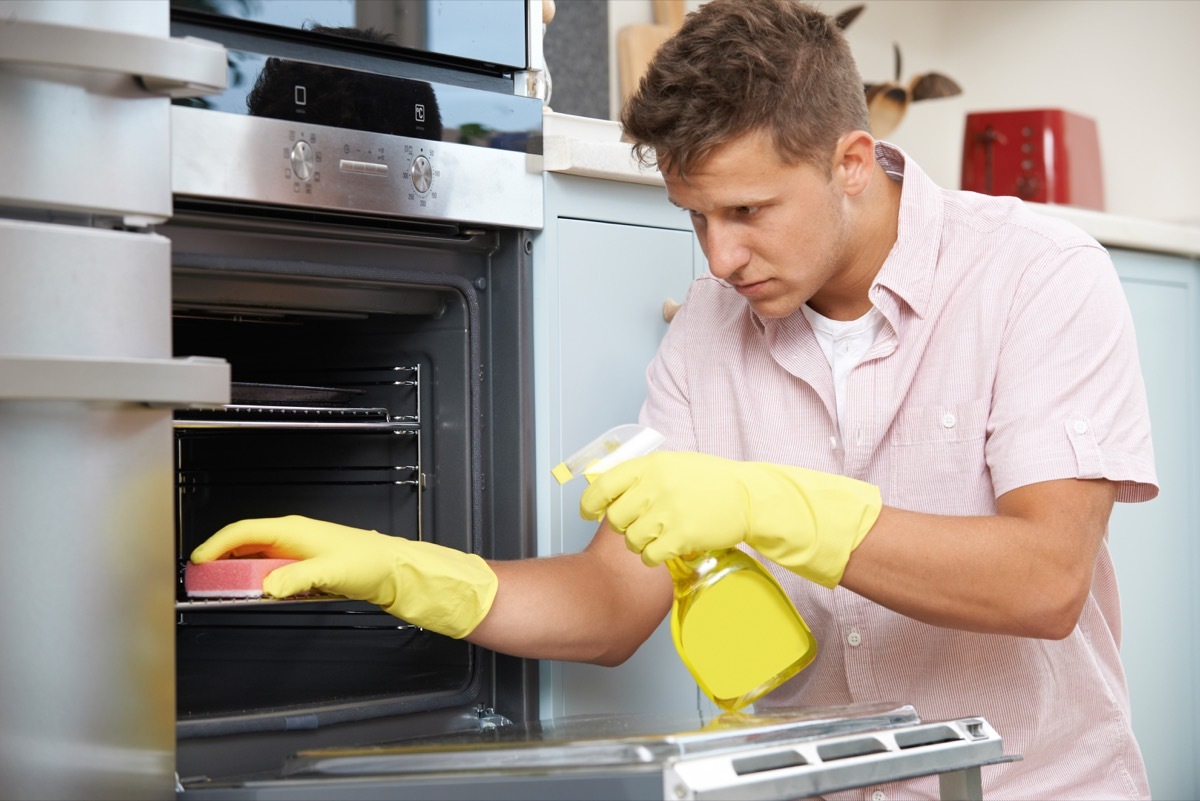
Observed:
{"x":1156,"y":545}
{"x":601,"y":322}
{"x":612,"y":321}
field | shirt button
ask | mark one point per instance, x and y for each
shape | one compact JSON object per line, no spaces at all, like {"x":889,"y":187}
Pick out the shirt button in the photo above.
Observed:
{"x":948,"y":420}
{"x":879,"y":795}
{"x":854,"y":638}
{"x":1080,"y":426}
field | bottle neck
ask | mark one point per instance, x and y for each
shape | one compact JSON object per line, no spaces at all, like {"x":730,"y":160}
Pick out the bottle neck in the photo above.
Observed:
{"x":683,"y":568}
{"x":691,"y":570}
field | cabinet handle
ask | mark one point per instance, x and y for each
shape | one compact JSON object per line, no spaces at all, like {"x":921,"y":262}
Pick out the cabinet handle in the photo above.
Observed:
{"x":178,"y":67}
{"x":669,"y":309}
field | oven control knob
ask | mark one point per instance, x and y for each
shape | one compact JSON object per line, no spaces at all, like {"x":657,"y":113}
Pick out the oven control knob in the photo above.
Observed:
{"x":422,"y":174}
{"x":302,"y":160}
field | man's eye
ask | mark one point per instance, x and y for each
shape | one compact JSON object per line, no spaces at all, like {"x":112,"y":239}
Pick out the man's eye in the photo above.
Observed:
{"x":746,"y":211}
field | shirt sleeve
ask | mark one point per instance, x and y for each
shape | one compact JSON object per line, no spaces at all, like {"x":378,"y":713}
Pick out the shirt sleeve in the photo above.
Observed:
{"x":1069,"y":399}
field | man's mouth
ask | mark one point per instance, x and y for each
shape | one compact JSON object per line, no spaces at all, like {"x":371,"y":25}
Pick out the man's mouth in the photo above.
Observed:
{"x":747,"y":288}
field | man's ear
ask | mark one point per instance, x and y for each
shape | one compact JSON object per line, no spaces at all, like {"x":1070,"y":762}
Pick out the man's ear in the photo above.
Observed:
{"x":854,"y":161}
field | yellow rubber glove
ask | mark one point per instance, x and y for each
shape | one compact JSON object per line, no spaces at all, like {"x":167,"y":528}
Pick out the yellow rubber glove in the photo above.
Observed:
{"x":430,"y":586}
{"x":673,"y":503}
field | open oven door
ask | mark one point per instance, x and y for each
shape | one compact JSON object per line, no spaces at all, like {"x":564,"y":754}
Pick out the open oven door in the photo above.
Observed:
{"x":787,"y":754}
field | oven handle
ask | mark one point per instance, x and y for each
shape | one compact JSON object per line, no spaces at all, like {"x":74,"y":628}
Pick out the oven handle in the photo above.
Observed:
{"x":191,"y":382}
{"x":173,"y":66}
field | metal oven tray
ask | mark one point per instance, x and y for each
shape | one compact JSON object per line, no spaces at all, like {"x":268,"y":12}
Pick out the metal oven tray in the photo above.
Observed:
{"x":256,"y":394}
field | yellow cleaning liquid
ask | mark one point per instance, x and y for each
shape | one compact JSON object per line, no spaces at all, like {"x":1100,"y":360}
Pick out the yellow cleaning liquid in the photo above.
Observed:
{"x":735,"y":628}
{"x":733,"y":625}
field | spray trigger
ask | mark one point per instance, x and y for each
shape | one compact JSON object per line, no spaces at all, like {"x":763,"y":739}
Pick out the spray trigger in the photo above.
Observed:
{"x":608,"y":450}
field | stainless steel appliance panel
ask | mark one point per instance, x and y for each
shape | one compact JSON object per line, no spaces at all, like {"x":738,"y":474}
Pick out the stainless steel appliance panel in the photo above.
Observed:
{"x":83,"y":132}
{"x":86,"y":381}
{"x":285,"y":162}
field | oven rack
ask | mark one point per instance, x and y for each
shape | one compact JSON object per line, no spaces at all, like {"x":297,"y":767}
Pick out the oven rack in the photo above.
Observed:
{"x":290,"y":406}
{"x":306,"y":417}
{"x":247,"y":613}
{"x":416,"y":481}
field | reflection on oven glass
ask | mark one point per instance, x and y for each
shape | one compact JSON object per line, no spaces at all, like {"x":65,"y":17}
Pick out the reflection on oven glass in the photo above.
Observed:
{"x":302,"y":91}
{"x":305,"y":92}
{"x":486,"y":31}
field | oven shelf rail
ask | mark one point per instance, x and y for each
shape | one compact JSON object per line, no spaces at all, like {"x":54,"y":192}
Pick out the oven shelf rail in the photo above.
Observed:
{"x":195,"y":604}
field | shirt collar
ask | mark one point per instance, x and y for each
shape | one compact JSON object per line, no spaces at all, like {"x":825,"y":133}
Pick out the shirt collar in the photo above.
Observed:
{"x":908,"y":270}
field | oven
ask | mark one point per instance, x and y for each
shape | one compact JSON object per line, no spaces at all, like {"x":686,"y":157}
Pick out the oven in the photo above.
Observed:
{"x":351,"y":233}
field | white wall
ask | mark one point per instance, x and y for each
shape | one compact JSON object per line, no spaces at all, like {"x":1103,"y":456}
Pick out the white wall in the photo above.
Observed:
{"x":1132,"y":65}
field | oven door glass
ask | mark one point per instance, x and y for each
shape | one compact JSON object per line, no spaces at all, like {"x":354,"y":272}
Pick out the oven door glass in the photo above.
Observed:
{"x":488,"y":32}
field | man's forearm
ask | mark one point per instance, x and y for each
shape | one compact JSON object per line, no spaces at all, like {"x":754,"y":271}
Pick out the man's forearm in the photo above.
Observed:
{"x":1025,"y":571}
{"x":595,"y":606}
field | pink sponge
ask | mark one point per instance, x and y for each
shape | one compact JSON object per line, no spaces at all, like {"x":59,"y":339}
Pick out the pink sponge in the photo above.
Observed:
{"x":229,"y":578}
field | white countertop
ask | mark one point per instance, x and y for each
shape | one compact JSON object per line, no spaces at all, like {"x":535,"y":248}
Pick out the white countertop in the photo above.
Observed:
{"x":593,"y":148}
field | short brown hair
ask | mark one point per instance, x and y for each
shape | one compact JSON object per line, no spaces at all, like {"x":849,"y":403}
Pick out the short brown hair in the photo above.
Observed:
{"x":741,"y":65}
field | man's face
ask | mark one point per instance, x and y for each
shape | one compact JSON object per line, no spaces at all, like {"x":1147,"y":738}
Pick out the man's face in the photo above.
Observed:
{"x":776,"y":232}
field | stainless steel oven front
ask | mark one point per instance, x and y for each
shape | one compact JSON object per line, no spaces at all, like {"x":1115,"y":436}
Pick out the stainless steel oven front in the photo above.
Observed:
{"x":351,"y":232}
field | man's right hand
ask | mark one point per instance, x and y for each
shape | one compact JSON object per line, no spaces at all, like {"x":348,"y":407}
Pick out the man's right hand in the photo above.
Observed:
{"x":428,"y":585}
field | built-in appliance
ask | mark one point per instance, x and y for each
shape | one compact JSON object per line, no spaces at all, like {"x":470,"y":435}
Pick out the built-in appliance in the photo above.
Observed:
{"x":351,"y":225}
{"x":351,"y":233}
{"x":1040,"y":155}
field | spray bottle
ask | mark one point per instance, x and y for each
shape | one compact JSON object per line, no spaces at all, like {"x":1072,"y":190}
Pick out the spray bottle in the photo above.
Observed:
{"x":733,"y":625}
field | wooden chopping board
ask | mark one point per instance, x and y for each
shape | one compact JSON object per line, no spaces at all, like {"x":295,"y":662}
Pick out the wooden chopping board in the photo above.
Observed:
{"x":636,"y":44}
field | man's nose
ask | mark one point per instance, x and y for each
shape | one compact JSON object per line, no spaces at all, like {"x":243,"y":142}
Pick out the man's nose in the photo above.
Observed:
{"x":724,"y":249}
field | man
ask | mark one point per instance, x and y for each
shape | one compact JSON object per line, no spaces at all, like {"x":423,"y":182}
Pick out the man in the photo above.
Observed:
{"x":918,"y":406}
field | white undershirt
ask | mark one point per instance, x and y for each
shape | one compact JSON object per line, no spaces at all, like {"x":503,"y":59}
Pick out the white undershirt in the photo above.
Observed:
{"x":845,"y":342}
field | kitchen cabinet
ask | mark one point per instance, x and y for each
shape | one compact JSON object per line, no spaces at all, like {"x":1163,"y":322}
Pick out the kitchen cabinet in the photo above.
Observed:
{"x":1156,"y":545}
{"x":610,"y":254}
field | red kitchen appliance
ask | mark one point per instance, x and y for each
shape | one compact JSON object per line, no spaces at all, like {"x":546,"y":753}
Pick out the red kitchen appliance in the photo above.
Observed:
{"x":1040,"y":155}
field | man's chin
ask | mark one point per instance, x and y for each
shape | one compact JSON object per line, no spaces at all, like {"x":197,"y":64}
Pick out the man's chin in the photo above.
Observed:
{"x":774,"y":309}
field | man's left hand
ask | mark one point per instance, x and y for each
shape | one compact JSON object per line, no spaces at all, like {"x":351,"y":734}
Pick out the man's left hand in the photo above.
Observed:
{"x":674,"y":503}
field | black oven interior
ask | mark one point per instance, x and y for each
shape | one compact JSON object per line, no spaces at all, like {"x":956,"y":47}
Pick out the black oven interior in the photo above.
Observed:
{"x":378,"y":382}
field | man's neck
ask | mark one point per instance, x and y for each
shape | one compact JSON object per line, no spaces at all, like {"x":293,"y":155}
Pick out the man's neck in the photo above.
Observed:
{"x":874,"y":234}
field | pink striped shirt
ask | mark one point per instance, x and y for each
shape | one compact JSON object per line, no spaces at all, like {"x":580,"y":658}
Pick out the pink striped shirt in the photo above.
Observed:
{"x":1007,"y":358}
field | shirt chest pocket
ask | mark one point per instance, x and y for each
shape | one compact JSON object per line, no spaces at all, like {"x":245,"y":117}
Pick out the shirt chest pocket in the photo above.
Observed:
{"x":938,"y":460}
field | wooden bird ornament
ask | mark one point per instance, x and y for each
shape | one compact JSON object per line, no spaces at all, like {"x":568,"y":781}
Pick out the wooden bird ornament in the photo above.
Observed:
{"x":887,"y":102}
